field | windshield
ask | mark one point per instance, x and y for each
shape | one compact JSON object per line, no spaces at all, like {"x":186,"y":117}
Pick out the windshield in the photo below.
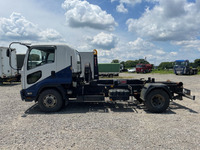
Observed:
{"x":180,"y":63}
{"x":140,"y":66}
{"x":40,"y":56}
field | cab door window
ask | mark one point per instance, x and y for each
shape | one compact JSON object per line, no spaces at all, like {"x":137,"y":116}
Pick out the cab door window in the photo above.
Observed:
{"x":40,"y":56}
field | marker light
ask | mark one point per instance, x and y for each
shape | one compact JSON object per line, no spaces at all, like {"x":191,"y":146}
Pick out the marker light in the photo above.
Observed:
{"x":95,"y":52}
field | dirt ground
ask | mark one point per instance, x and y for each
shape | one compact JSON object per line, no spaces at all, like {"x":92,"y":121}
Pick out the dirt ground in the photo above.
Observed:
{"x":101,"y":126}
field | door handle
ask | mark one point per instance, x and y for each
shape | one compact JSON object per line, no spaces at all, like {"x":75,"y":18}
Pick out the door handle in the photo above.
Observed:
{"x":53,"y":74}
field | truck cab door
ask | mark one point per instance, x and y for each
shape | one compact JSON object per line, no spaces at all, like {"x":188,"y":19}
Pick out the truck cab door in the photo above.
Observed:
{"x":40,"y":63}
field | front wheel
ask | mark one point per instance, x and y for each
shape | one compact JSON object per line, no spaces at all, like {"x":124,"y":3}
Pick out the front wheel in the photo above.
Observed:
{"x":157,"y":101}
{"x":50,"y":101}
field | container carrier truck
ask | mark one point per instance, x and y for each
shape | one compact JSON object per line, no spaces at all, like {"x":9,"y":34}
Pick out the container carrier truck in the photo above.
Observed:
{"x":51,"y":76}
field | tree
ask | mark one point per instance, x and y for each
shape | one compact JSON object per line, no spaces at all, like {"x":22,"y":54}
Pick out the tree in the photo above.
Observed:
{"x":166,"y":65}
{"x":133,"y":63}
{"x":142,"y":61}
{"x":197,"y":62}
{"x":115,"y":61}
{"x":122,"y":63}
{"x":193,"y":65}
{"x":129,"y":64}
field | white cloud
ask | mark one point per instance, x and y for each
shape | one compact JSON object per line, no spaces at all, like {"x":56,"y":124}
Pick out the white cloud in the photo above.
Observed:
{"x":121,"y":8}
{"x":160,"y":52}
{"x":50,"y":35}
{"x":168,"y":20}
{"x":104,"y":41}
{"x":173,"y":53}
{"x":138,"y":49}
{"x":140,"y":44}
{"x":83,"y":14}
{"x":152,"y":1}
{"x":189,"y":45}
{"x":18,"y":28}
{"x":131,"y":2}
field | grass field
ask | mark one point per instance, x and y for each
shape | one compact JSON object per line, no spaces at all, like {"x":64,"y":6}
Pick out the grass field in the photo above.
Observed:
{"x":163,"y":71}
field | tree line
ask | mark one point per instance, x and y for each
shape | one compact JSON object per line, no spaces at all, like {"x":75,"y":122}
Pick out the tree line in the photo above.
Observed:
{"x":170,"y":65}
{"x":162,"y":65}
{"x":130,"y":63}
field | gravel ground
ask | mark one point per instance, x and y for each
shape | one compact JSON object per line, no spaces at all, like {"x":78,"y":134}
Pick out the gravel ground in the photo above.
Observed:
{"x":101,"y":126}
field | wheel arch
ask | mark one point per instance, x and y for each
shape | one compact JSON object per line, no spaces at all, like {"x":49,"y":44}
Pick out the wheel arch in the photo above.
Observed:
{"x":60,"y":89}
{"x":149,"y":87}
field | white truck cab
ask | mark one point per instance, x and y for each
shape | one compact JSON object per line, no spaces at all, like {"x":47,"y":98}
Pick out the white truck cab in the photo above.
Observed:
{"x":48,"y":66}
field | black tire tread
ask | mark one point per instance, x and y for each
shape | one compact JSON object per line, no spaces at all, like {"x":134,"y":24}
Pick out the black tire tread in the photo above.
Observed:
{"x":152,"y":108}
{"x":57,"y":107}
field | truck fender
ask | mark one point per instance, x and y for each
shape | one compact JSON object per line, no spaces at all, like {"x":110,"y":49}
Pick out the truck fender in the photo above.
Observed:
{"x":59,"y":88}
{"x":153,"y":86}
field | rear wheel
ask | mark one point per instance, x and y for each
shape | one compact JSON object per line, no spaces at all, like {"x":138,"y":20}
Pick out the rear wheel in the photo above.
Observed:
{"x":157,"y":101}
{"x":50,"y":101}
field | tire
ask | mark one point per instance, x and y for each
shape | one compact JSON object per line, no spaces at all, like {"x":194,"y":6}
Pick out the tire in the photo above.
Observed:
{"x":157,"y":101}
{"x":50,"y":101}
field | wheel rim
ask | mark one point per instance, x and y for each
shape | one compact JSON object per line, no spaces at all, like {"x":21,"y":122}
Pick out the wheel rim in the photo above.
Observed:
{"x":50,"y":101}
{"x":158,"y":101}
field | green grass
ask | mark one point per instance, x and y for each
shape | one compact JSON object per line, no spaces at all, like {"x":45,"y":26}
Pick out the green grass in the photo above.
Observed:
{"x":162,"y":71}
{"x":116,"y":77}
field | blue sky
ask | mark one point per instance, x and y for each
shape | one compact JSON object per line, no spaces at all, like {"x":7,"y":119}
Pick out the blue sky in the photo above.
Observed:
{"x":160,"y":30}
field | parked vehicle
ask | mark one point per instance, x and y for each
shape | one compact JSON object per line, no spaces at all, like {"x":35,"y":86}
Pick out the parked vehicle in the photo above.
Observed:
{"x":182,"y":67}
{"x":132,"y":70}
{"x":109,"y":69}
{"x":7,"y":73}
{"x":122,"y":68}
{"x":53,"y":80}
{"x":143,"y":68}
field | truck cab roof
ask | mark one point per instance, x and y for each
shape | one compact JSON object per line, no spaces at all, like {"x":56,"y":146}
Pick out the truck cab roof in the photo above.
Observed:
{"x":48,"y":44}
{"x":181,"y":60}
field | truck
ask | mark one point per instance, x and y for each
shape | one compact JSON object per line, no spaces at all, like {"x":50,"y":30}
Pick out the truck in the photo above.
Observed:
{"x":8,"y":74}
{"x":182,"y":67}
{"x":51,"y":76}
{"x":109,"y":69}
{"x":143,"y":68}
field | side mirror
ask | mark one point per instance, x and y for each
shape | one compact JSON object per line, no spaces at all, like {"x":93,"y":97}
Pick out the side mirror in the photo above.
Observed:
{"x":8,"y":52}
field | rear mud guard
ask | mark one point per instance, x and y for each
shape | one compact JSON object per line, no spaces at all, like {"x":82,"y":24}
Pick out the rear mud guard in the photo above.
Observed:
{"x":153,"y":86}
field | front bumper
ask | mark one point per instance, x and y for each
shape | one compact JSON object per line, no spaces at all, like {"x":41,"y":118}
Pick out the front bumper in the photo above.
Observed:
{"x":26,"y":97}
